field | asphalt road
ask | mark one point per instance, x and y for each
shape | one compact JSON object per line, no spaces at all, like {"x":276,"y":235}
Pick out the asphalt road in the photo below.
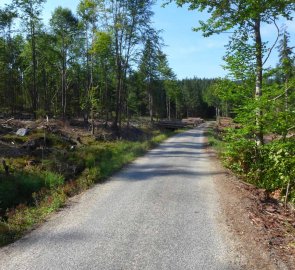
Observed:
{"x":161,"y":212}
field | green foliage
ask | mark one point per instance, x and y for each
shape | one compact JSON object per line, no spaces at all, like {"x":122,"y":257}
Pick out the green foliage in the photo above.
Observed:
{"x":279,"y":166}
{"x":102,"y":44}
{"x":52,"y":180}
{"x":258,"y":113}
{"x":191,"y":98}
{"x":103,"y":62}
{"x":23,"y":218}
{"x":240,"y":150}
{"x":270,"y":166}
{"x":215,"y":140}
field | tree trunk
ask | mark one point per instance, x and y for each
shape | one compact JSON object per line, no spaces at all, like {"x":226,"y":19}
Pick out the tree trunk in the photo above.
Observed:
{"x":117,"y":119}
{"x":34,"y":59}
{"x":151,"y":107}
{"x":106,"y":95}
{"x":258,"y":88}
{"x":118,"y":84}
{"x":92,"y":121}
{"x":64,"y":79}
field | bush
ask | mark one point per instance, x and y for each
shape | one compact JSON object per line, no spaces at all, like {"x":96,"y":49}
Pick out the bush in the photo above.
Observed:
{"x":240,"y":151}
{"x":279,"y":166}
{"x":18,"y":188}
{"x":271,"y":166}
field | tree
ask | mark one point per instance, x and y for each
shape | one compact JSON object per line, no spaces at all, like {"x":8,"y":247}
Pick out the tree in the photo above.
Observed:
{"x":8,"y":57}
{"x":7,"y":15}
{"x":246,"y":16}
{"x":286,"y":56}
{"x":286,"y":62}
{"x":171,"y":87}
{"x":88,"y":11}
{"x":129,"y":20}
{"x":91,"y":64}
{"x":102,"y":51}
{"x":64,"y":26}
{"x":195,"y":96}
{"x":30,"y":12}
{"x":149,"y":69}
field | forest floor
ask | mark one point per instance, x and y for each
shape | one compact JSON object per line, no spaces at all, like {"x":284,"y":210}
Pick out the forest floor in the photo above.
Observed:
{"x":264,"y":226}
{"x":45,"y":138}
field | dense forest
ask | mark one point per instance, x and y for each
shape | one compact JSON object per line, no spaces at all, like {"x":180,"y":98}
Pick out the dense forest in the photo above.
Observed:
{"x":103,"y":62}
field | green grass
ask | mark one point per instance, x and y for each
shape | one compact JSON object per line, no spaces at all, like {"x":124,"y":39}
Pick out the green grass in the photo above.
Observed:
{"x":29,"y":194}
{"x":215,"y":140}
{"x":18,"y":188}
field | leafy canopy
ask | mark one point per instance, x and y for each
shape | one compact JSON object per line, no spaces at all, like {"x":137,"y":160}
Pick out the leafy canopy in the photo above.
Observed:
{"x":227,"y":14}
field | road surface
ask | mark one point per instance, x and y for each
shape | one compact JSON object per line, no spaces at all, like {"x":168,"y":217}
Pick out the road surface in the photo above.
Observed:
{"x":161,"y":212}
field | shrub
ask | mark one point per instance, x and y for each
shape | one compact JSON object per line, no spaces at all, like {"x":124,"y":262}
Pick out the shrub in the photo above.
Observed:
{"x":279,"y":166}
{"x":271,"y":166}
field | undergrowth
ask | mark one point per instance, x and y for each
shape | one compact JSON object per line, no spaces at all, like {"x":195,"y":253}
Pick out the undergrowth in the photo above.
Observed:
{"x":270,"y":166}
{"x":30,"y":193}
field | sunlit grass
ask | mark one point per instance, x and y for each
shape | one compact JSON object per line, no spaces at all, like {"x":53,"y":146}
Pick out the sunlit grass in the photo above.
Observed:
{"x":28,"y":195}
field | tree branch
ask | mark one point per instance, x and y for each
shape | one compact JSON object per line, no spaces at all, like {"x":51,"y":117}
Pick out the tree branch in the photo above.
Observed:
{"x":281,"y":95}
{"x":278,"y":30}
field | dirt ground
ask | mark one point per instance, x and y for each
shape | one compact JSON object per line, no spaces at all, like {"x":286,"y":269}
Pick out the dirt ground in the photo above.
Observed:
{"x":261,"y":227}
{"x":73,"y":132}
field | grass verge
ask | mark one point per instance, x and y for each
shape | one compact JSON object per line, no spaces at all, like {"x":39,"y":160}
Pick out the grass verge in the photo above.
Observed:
{"x":30,"y":194}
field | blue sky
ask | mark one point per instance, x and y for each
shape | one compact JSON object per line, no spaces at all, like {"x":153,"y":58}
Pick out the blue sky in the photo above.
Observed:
{"x":189,"y":53}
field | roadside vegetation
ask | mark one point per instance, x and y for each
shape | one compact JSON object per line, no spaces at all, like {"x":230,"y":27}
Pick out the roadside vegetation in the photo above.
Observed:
{"x":36,"y":185}
{"x":271,"y":169}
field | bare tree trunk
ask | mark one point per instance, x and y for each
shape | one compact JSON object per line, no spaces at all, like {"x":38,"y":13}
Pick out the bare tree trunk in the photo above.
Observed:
{"x":258,"y":88}
{"x":106,"y":96}
{"x":119,"y":84}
